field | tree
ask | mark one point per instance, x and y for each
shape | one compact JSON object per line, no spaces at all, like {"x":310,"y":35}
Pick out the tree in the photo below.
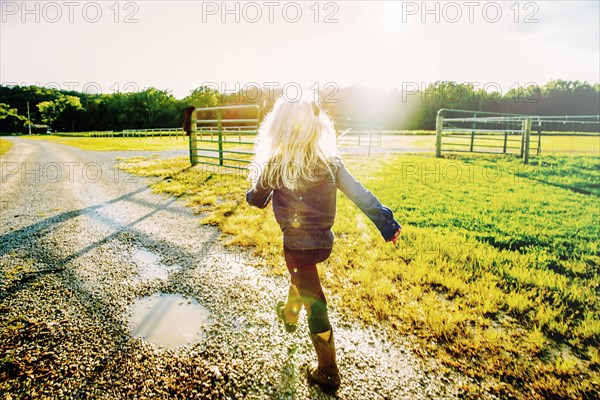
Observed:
{"x":203,"y":96}
{"x":61,"y":113}
{"x":10,"y":120}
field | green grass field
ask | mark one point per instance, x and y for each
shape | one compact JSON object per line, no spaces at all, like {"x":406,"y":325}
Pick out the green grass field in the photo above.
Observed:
{"x":116,"y":144}
{"x":497,"y":272}
{"x":573,"y":144}
{"x":5,"y":146}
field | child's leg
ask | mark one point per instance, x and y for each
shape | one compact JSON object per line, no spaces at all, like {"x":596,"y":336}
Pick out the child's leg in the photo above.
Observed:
{"x":292,"y":307}
{"x":314,"y":299}
{"x":304,"y":276}
{"x":288,"y":312}
{"x":303,"y":269}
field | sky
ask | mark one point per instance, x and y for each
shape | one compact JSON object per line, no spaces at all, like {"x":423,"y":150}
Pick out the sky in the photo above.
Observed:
{"x":108,"y":46}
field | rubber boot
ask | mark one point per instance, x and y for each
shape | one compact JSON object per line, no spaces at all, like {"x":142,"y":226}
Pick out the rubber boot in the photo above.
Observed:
{"x":288,"y":312}
{"x":325,"y":373}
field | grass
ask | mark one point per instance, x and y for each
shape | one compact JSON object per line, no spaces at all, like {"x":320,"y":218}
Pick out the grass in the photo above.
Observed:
{"x":497,"y":271}
{"x":116,"y":144}
{"x":573,"y":144}
{"x":5,"y":146}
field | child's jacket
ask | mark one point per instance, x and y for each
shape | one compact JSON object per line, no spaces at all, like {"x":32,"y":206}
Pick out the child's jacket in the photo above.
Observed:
{"x":306,"y":215}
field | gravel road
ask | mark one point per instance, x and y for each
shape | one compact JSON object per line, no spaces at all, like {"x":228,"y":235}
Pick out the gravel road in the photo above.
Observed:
{"x":82,"y":241}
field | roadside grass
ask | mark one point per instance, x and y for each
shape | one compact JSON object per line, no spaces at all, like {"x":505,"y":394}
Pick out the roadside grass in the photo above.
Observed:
{"x":497,"y":272}
{"x":5,"y":146}
{"x":116,"y":144}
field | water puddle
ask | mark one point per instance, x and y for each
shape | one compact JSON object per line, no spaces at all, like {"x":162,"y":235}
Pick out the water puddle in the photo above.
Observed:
{"x":168,"y":320}
{"x":151,"y":267}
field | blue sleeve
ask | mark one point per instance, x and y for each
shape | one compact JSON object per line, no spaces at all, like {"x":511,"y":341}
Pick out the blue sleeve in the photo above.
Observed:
{"x":259,"y":196}
{"x":380,"y":215}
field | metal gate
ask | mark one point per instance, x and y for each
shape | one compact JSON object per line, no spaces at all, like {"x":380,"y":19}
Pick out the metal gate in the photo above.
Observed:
{"x":358,"y":132}
{"x":228,"y":129}
{"x":488,"y":132}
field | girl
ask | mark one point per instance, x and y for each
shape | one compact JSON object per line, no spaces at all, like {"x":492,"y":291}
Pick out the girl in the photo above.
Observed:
{"x":300,"y":169}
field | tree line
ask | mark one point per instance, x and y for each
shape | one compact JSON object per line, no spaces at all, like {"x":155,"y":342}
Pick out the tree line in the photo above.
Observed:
{"x":411,"y":108}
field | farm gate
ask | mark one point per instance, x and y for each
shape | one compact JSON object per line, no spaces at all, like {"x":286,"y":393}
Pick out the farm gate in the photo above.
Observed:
{"x":489,"y":132}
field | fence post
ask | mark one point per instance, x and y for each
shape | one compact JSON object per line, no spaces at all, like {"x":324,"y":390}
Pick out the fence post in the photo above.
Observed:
{"x":539,"y":132}
{"x":505,"y":139}
{"x":220,"y":128}
{"x":193,"y":138}
{"x":473,"y":133}
{"x":523,"y":129}
{"x":439,"y":122}
{"x":527,"y":137}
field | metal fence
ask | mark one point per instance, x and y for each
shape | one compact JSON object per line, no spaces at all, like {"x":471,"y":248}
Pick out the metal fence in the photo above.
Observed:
{"x":154,"y":132}
{"x":87,"y":134}
{"x":228,"y":129}
{"x":519,"y":134}
{"x":359,"y":132}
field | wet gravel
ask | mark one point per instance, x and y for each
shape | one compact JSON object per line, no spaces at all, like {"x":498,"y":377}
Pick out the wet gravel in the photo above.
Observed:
{"x":72,"y":226}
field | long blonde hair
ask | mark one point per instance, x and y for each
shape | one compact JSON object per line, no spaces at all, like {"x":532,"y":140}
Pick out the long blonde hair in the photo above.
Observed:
{"x":294,"y":141}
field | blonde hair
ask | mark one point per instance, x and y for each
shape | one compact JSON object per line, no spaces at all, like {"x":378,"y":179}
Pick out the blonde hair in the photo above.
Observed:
{"x":294,"y":141}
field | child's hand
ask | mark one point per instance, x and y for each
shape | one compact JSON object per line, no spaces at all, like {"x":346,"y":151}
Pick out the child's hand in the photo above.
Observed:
{"x":396,"y":236}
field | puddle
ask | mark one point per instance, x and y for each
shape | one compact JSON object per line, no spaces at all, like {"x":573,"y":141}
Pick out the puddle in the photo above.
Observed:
{"x":168,"y":320}
{"x":151,"y":267}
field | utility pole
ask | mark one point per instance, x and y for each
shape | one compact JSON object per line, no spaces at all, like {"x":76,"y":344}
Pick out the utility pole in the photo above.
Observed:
{"x":28,"y":117}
